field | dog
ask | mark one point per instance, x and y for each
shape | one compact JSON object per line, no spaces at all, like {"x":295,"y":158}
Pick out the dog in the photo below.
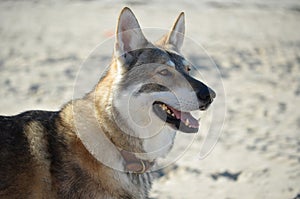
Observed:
{"x":105,"y":144}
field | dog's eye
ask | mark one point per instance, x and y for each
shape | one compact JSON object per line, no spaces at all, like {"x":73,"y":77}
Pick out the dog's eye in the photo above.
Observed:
{"x":165,"y":72}
{"x":186,"y":65}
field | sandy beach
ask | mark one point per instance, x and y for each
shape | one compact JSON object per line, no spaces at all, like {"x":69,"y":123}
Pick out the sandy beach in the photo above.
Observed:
{"x":249,"y":146}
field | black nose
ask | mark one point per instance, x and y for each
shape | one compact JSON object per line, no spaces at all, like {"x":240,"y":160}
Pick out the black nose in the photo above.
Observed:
{"x":206,"y":94}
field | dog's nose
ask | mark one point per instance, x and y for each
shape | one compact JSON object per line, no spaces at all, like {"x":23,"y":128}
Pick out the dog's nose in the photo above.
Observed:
{"x":206,"y":94}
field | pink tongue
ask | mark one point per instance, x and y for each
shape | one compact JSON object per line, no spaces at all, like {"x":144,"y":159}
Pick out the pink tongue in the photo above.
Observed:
{"x":183,"y":116}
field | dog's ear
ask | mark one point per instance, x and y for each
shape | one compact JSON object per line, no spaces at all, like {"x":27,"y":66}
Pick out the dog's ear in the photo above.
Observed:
{"x":129,"y":36}
{"x":176,"y":35}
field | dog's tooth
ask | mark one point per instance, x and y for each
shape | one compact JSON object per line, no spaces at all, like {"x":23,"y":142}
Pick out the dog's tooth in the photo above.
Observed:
{"x":187,"y":122}
{"x":168,"y":111}
{"x":173,"y":114}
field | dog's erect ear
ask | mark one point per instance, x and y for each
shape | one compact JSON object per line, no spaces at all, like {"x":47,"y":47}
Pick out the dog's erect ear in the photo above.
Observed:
{"x":176,"y":35}
{"x":129,"y":36}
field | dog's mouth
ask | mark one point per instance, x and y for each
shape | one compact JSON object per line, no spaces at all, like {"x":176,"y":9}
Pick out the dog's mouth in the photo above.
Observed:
{"x":179,"y":120}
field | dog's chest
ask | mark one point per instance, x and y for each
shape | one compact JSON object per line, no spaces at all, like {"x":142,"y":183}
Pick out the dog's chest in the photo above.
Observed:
{"x":133,"y":185}
{"x":115,"y":185}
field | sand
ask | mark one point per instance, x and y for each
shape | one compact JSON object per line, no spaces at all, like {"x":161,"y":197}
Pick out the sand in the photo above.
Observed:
{"x":255,"y":120}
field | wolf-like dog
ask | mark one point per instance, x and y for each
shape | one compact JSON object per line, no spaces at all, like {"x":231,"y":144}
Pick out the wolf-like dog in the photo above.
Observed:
{"x":105,"y":144}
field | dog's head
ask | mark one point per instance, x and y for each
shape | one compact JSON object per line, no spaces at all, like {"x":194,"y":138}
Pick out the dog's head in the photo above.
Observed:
{"x":153,"y":93}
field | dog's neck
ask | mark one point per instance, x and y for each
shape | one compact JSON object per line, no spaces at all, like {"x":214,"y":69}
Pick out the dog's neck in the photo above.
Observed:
{"x":108,"y":144}
{"x":127,"y":144}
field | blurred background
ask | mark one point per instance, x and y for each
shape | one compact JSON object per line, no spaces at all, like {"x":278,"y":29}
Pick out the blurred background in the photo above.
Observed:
{"x":254,"y":44}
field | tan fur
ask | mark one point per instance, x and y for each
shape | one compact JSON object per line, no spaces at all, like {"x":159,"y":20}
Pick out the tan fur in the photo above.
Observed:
{"x":41,"y":181}
{"x":108,"y":178}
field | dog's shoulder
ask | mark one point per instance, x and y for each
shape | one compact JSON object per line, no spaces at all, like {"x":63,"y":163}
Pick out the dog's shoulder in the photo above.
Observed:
{"x":16,"y":130}
{"x":24,"y":152}
{"x":12,"y":128}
